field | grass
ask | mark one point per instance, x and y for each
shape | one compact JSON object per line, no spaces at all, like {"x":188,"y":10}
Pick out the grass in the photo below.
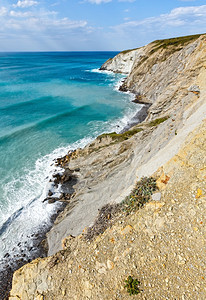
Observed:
{"x":132,"y":286}
{"x":174,"y":44}
{"x":109,"y":213}
{"x":158,"y":121}
{"x":140,"y":195}
{"x":104,"y":220}
{"x":119,"y":137}
{"x":129,"y":50}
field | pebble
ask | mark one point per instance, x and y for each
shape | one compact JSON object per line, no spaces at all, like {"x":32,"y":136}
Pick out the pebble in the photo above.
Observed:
{"x":156,"y":196}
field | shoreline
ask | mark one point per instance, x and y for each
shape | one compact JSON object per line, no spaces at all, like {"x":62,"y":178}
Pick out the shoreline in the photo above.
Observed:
{"x":39,"y":238}
{"x":37,"y":247}
{"x":106,"y":171}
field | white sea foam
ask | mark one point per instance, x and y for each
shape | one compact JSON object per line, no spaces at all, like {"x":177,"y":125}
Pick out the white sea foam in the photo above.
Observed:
{"x":102,"y":71}
{"x":25,"y":194}
{"x":26,"y":211}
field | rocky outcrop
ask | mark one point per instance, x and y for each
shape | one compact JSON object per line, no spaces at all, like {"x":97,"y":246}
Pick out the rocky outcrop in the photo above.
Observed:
{"x":161,"y":244}
{"x":165,"y":72}
{"x":123,"y":62}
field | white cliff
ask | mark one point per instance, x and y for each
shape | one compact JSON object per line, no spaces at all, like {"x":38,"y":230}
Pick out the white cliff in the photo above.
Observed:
{"x":123,"y":62}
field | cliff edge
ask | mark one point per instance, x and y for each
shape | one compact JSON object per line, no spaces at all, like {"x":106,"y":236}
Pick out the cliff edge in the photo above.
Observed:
{"x":162,"y":242}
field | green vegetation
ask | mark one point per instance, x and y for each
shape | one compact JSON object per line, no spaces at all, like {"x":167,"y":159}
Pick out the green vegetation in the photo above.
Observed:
{"x":132,"y":286}
{"x":174,"y":44}
{"x":140,"y":195}
{"x":158,"y":121}
{"x":178,"y":41}
{"x":119,"y":137}
{"x":110,"y":213}
{"x":129,"y":50}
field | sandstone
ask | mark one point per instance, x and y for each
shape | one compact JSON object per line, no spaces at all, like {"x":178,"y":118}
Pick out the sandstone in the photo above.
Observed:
{"x":110,"y":264}
{"x":127,"y":230}
{"x":159,"y":222}
{"x":154,"y":205}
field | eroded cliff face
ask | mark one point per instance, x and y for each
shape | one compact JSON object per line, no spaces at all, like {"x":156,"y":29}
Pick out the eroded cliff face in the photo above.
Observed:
{"x":161,"y":244}
{"x":124,"y":61}
{"x":164,"y":72}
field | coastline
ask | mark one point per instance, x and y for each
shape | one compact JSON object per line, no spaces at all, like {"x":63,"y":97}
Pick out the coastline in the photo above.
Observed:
{"x":168,"y":146}
{"x":67,"y":180}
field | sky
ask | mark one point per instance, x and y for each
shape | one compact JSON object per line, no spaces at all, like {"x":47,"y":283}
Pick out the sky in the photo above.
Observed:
{"x":95,"y":25}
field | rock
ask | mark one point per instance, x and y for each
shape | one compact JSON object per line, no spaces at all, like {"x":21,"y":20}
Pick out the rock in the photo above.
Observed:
{"x":127,"y":230}
{"x":162,"y":181}
{"x":39,"y":297}
{"x":110,"y":264}
{"x":194,"y":88}
{"x":101,"y":267}
{"x":123,"y":62}
{"x":154,"y":206}
{"x":161,"y":247}
{"x":199,"y":193}
{"x":159,"y":222}
{"x":50,"y":193}
{"x":52,"y":200}
{"x":156,"y":196}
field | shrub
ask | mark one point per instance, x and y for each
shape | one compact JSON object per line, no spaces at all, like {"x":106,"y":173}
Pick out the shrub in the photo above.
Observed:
{"x":140,"y":195}
{"x":132,"y":286}
{"x":158,"y":121}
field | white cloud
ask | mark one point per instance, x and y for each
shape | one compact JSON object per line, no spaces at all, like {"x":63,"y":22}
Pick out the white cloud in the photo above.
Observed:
{"x":177,"y":17}
{"x":25,"y":3}
{"x":106,"y":1}
{"x":126,"y":0}
{"x":19,"y":14}
{"x":40,"y":21}
{"x":3,"y":11}
{"x":99,"y":1}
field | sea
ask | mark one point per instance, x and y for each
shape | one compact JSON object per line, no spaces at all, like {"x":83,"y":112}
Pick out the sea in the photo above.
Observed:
{"x":50,"y":103}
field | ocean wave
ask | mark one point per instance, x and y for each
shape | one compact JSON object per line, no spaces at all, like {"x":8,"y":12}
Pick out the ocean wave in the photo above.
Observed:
{"x":25,"y":211}
{"x":118,"y":124}
{"x":15,"y":106}
{"x":25,"y":129}
{"x":102,"y":72}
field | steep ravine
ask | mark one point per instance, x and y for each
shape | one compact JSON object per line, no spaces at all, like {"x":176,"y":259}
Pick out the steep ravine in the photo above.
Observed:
{"x":161,"y":244}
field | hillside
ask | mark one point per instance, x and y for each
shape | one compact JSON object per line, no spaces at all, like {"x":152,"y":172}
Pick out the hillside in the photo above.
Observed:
{"x":159,"y":241}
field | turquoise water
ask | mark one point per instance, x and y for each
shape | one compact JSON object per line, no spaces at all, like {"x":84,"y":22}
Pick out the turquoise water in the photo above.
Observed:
{"x":49,"y":103}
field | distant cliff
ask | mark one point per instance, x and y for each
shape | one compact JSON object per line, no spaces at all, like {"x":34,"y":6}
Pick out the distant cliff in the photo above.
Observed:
{"x":123,"y":62}
{"x":159,"y":240}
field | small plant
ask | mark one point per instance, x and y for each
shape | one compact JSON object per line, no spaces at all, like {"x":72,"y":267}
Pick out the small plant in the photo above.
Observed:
{"x":129,"y":50}
{"x":132,"y":286}
{"x":119,"y":137}
{"x":158,"y":121}
{"x":140,"y":195}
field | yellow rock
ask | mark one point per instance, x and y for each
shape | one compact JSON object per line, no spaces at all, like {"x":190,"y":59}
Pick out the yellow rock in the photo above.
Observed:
{"x":154,"y":205}
{"x":127,"y":230}
{"x":162,"y":181}
{"x":39,"y":297}
{"x":199,"y":193}
{"x":110,"y":264}
{"x":126,"y":252}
